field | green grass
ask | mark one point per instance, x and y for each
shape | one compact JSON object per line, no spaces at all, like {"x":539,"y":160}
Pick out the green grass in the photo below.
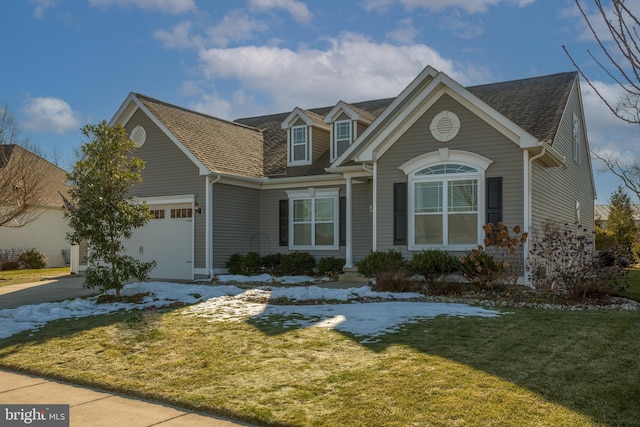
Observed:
{"x":527,"y":367}
{"x":13,"y":277}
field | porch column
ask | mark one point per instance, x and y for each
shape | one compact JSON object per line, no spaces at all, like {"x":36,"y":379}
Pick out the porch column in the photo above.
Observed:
{"x":208,"y":213}
{"x":349,"y":224}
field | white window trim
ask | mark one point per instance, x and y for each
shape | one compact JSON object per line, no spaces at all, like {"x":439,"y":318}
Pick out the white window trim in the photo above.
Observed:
{"x":443,"y":156}
{"x":315,"y":193}
{"x":307,"y":155}
{"x":334,"y":137}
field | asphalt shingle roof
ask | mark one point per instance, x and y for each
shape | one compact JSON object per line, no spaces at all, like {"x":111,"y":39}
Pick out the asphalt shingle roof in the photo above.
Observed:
{"x":220,"y":145}
{"x":257,"y":146}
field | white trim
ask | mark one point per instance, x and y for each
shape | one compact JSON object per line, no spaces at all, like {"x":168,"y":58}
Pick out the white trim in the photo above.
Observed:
{"x":334,"y":137}
{"x":349,"y":225}
{"x":307,"y":146}
{"x":168,"y":200}
{"x":346,"y":108}
{"x":374,"y":201}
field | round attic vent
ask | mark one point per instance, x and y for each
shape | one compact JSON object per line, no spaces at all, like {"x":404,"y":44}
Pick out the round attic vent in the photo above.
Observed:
{"x":138,"y":135}
{"x":445,"y":126}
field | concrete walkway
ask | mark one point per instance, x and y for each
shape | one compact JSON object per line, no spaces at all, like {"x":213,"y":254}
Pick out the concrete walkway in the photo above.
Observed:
{"x":56,"y":289}
{"x":95,"y":408}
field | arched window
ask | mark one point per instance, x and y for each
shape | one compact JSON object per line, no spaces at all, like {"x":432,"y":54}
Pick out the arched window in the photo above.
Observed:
{"x":445,"y":203}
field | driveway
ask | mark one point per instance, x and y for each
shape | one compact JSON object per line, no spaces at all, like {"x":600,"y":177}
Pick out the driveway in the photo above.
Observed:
{"x":58,"y":289}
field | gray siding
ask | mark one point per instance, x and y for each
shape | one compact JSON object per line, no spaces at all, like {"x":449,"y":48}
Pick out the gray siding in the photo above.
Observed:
{"x":168,"y":172}
{"x":556,"y":190}
{"x":236,"y":222}
{"x":475,"y":136}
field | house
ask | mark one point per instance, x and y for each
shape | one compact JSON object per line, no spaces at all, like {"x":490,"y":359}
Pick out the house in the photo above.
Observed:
{"x":425,"y":169}
{"x":43,"y":227}
{"x":601,"y":213}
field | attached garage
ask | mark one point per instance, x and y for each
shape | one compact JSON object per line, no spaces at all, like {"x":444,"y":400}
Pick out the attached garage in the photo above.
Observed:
{"x":167,"y":239}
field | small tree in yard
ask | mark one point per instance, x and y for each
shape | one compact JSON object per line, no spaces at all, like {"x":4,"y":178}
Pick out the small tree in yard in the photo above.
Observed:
{"x":101,"y":212}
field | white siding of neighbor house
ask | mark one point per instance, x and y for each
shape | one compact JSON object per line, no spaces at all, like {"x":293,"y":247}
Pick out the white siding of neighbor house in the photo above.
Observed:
{"x":169,"y":172}
{"x":475,"y":136}
{"x":47,"y":234}
{"x":556,"y":190}
{"x":236,"y":222}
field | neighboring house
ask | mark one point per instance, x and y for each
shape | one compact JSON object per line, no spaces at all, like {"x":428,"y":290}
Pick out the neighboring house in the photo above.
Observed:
{"x":602,"y":215}
{"x":423,"y":170}
{"x":44,"y":227}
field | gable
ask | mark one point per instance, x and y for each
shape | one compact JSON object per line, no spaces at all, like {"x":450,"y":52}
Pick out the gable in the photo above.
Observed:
{"x":213,"y":145}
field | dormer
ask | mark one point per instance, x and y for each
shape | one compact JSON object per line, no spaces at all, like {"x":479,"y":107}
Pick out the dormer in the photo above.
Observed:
{"x":307,"y":137}
{"x":347,"y":122}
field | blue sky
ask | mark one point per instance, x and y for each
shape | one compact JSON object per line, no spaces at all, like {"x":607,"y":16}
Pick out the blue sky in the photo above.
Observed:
{"x":67,"y":63}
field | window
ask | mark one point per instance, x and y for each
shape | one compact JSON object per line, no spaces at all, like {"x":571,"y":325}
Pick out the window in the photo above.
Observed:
{"x":299,"y":146}
{"x":181,"y":213}
{"x":314,"y":219}
{"x":445,"y":206}
{"x":157,"y":213}
{"x":446,"y":199}
{"x":342,"y":137}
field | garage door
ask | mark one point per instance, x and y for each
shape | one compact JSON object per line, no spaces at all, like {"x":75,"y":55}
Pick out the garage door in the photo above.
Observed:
{"x":166,"y":239}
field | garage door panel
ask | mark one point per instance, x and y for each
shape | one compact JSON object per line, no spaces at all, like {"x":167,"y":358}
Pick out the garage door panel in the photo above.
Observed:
{"x":167,"y":240}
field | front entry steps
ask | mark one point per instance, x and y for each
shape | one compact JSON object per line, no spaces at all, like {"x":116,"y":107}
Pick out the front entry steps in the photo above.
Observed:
{"x":351,"y":275}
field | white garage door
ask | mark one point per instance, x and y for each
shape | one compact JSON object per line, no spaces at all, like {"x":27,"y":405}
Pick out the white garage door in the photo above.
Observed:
{"x":166,"y":239}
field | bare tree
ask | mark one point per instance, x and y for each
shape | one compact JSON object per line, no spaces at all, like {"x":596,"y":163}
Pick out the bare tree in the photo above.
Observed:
{"x":620,"y":45}
{"x":27,"y":181}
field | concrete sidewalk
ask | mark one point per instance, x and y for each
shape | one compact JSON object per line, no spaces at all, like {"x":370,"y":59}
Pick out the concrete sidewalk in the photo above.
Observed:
{"x":95,"y":408}
{"x":55,"y":289}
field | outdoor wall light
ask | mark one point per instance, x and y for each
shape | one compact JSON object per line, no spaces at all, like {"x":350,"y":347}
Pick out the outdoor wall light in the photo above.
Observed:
{"x":197,"y":208}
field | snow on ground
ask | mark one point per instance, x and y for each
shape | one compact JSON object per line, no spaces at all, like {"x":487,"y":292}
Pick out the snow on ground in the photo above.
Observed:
{"x":230,"y":303}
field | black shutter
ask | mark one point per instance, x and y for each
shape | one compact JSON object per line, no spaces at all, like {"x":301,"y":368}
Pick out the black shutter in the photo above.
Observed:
{"x":494,"y":200}
{"x":284,"y":222}
{"x":400,"y":213}
{"x":342,"y":207}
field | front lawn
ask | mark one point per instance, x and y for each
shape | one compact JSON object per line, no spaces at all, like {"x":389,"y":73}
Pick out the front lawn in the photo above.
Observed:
{"x":13,"y":277}
{"x":633,"y":290}
{"x":525,"y":367}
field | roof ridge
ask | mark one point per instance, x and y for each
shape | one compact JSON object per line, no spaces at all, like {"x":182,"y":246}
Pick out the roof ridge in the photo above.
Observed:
{"x":188,"y":110}
{"x":575,"y":73}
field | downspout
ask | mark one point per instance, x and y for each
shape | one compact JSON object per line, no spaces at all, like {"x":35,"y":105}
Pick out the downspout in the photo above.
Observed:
{"x":209,"y":225}
{"x":528,"y":162}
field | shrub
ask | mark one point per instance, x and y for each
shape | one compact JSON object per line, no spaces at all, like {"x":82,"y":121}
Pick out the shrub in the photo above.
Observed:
{"x":381,"y":261}
{"x":394,"y":279}
{"x":272,"y":263}
{"x":507,"y":249}
{"x":32,"y":259}
{"x":433,"y":265}
{"x":298,"y":264}
{"x":330,"y":266}
{"x":562,"y":260}
{"x":480,"y":268}
{"x":10,"y":265}
{"x":244,"y":264}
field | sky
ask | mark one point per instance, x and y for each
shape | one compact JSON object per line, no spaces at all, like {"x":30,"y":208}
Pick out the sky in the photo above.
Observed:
{"x":229,"y":303}
{"x":68,"y":63}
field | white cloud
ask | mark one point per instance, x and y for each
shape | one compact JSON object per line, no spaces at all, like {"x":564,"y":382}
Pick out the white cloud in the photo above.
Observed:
{"x":470,"y":6}
{"x":41,"y":7}
{"x":178,"y":37}
{"x":352,"y":68}
{"x":298,"y":10}
{"x":50,"y":115}
{"x":405,"y":34}
{"x":236,"y":26}
{"x":173,"y":7}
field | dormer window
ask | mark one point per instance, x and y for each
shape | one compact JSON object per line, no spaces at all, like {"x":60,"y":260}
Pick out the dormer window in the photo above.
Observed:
{"x":299,"y":145}
{"x":342,"y":137}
